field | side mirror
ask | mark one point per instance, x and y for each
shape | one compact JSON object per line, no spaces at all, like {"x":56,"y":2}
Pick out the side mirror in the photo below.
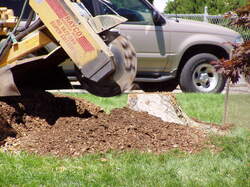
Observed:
{"x":157,"y":18}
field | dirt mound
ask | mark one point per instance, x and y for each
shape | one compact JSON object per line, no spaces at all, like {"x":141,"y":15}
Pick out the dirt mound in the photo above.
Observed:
{"x":64,"y":126}
{"x":5,"y":130}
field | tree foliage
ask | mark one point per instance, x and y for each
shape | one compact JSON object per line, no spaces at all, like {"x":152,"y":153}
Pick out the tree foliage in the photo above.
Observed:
{"x":197,"y":6}
{"x":239,"y":64}
{"x":242,"y":17}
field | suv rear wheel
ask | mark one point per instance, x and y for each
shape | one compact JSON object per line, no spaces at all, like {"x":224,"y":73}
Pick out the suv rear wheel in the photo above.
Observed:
{"x":198,"y":75}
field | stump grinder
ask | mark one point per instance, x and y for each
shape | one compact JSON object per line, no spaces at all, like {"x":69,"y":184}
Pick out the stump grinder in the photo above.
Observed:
{"x":105,"y":61}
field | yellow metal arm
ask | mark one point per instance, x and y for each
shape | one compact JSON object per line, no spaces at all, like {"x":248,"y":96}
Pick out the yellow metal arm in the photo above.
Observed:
{"x":25,"y":47}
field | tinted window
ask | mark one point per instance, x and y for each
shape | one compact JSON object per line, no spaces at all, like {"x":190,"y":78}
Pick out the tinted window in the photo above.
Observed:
{"x":15,"y":5}
{"x":134,"y":10}
{"x":89,"y":5}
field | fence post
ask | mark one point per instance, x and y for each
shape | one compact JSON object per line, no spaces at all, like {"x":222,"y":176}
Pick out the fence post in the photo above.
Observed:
{"x":226,"y":103}
{"x":205,"y":14}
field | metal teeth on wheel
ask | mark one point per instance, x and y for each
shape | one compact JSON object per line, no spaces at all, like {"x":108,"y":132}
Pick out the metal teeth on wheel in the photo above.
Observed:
{"x":126,"y":66}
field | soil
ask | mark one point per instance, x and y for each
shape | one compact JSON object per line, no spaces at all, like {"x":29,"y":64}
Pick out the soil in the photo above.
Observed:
{"x":46,"y":124}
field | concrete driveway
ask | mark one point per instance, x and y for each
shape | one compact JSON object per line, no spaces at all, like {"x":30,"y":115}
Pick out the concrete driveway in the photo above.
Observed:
{"x":241,"y":87}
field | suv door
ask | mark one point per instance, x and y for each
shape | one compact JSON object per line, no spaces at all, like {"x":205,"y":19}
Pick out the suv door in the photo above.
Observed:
{"x":149,"y":39}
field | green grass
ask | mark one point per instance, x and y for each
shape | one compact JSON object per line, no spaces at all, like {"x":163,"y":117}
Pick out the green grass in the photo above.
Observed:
{"x":238,"y":110}
{"x":210,"y":107}
{"x":205,"y":107}
{"x":107,"y":104}
{"x":228,"y":167}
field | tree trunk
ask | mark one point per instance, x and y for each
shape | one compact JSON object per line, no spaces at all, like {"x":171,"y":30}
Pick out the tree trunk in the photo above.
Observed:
{"x":164,"y":106}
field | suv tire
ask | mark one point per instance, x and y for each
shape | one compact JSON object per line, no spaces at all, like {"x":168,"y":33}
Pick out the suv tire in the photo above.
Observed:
{"x":198,"y":75}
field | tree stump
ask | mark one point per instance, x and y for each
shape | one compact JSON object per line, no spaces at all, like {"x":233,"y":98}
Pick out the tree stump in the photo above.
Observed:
{"x":164,"y":106}
{"x":161,"y":105}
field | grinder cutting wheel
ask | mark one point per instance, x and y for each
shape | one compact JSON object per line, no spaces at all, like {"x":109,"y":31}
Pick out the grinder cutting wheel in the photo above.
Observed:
{"x":105,"y":61}
{"x":121,"y":79}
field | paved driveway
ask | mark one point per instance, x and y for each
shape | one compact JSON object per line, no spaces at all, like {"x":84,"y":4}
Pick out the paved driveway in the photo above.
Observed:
{"x":241,"y":87}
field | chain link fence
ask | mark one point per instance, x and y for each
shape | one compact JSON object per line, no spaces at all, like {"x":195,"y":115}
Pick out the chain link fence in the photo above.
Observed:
{"x":218,"y":20}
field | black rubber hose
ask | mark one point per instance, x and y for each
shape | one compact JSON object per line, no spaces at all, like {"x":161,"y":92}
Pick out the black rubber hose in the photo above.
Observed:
{"x":38,"y":23}
{"x":28,"y":22}
{"x":6,"y":45}
{"x":21,"y":35}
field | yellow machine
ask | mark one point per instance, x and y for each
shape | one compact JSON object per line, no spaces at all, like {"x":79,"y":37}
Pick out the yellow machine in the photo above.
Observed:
{"x":105,"y":61}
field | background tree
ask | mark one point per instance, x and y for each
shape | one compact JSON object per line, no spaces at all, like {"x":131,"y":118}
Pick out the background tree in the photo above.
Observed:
{"x":197,"y":6}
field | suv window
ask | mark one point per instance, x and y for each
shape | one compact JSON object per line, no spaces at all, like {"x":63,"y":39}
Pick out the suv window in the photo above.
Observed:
{"x":16,"y":6}
{"x":134,"y":10}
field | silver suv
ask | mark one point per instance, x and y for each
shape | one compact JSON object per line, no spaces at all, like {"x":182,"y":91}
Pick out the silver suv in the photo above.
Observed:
{"x":171,"y":51}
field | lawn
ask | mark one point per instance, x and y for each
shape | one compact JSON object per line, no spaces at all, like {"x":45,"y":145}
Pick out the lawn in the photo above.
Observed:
{"x":205,"y":107}
{"x":107,"y":104}
{"x":238,"y":110}
{"x":228,"y":167}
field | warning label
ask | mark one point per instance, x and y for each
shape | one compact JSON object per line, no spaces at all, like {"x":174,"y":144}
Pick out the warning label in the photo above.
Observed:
{"x":68,"y":30}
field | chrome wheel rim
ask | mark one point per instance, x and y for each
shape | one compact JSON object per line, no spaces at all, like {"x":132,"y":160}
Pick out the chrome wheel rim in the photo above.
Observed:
{"x":205,"y":78}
